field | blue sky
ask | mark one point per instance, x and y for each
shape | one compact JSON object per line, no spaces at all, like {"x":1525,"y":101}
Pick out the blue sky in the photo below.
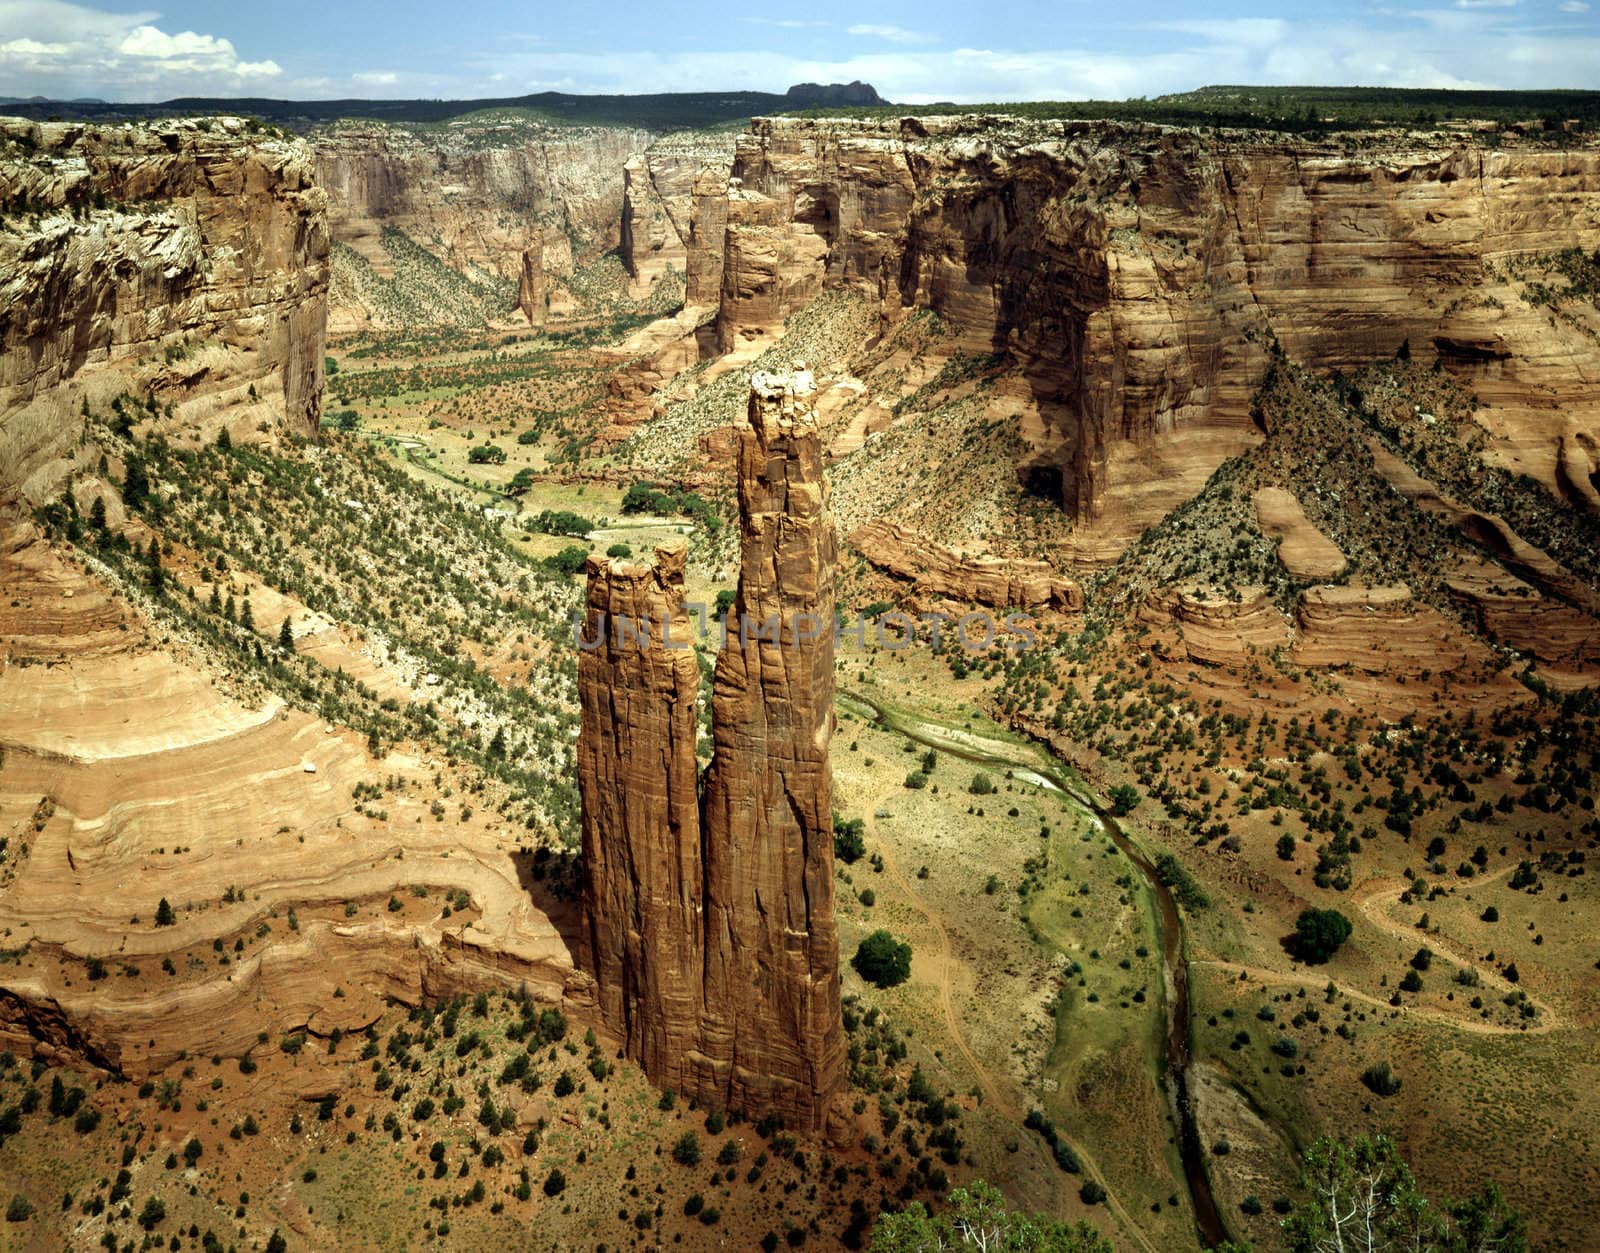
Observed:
{"x":964,"y":50}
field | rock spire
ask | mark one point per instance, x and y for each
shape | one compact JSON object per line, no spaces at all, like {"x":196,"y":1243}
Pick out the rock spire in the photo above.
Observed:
{"x":709,"y":927}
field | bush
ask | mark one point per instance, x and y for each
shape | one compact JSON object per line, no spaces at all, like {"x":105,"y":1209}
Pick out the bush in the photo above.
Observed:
{"x":1381,"y":1079}
{"x":982,"y":785}
{"x":20,"y":1209}
{"x":620,"y":550}
{"x":882,"y":960}
{"x":153,"y":1213}
{"x":1286,"y":847}
{"x":916,"y":779}
{"x":555,"y":1183}
{"x":1491,"y":914}
{"x":570,"y":560}
{"x":686,"y":1152}
{"x":487,"y":454}
{"x":849,"y":843}
{"x":562,"y":522}
{"x":1318,"y":933}
{"x":1124,"y":799}
{"x":1091,"y":1193}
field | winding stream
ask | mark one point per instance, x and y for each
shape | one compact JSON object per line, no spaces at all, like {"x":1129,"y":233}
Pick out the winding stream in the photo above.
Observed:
{"x":1043,"y":770}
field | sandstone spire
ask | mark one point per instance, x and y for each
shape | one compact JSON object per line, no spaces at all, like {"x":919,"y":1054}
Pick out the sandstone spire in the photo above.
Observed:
{"x":711,"y":939}
{"x":530,"y":285}
{"x":641,"y":939}
{"x":772,"y":1036}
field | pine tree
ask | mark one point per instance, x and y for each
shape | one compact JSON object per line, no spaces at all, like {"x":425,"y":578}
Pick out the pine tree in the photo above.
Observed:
{"x":97,"y":515}
{"x":135,"y":484}
{"x":156,"y":575}
{"x":215,"y":604}
{"x":286,"y":636}
{"x":246,"y":618}
{"x":164,"y":917}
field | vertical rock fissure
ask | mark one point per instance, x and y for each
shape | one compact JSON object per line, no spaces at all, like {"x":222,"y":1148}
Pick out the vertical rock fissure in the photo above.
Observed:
{"x":740,"y":987}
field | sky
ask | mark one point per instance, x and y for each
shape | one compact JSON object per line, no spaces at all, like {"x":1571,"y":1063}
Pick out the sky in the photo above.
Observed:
{"x":914,"y":53}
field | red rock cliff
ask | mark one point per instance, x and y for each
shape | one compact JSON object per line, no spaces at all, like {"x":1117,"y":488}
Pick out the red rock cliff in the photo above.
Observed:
{"x":185,"y":258}
{"x":1135,"y":276}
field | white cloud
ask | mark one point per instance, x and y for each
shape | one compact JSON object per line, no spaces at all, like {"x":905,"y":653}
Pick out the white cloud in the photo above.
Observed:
{"x":1486,"y":4}
{"x":893,"y":34}
{"x":376,"y":78}
{"x":1574,"y":6}
{"x":783,"y":23}
{"x":66,"y":49}
{"x":1249,"y":32}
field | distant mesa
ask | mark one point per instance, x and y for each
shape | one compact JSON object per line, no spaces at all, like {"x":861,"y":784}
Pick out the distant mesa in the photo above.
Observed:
{"x":831,"y":95}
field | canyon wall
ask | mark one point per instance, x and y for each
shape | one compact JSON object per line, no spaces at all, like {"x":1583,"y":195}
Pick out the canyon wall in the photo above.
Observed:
{"x":1136,"y":277}
{"x":187,"y":260}
{"x":674,"y":210}
{"x":476,"y":193}
{"x":710,"y":935}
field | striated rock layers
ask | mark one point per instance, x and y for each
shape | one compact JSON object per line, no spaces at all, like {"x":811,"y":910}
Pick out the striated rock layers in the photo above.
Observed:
{"x":673,"y":212}
{"x":709,"y":925}
{"x":999,"y":582}
{"x":477,"y":194}
{"x":183,"y":259}
{"x":1135,"y":276}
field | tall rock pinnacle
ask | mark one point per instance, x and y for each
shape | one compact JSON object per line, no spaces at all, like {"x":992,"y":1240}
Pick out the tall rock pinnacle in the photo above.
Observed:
{"x":772,"y":1033}
{"x":709,"y":932}
{"x":641,"y":939}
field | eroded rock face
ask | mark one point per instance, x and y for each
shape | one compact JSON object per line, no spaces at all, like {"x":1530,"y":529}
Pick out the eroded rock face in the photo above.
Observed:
{"x":650,"y":242}
{"x":1378,"y":630}
{"x":1136,"y":276}
{"x":711,"y":940}
{"x":1216,"y":627}
{"x":674,"y":206}
{"x":999,"y":582}
{"x":477,"y":195}
{"x":185,"y":258}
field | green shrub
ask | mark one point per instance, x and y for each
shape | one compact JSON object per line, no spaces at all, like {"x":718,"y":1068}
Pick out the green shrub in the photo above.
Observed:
{"x":849,"y":843}
{"x":1381,"y":1079}
{"x":1318,"y":933}
{"x":882,"y":960}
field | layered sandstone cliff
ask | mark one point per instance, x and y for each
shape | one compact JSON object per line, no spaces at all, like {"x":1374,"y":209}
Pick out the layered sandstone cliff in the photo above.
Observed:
{"x":1135,"y":276}
{"x":186,"y":259}
{"x":673,"y":212}
{"x":999,"y":582}
{"x":710,"y":936}
{"x":477,"y":194}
